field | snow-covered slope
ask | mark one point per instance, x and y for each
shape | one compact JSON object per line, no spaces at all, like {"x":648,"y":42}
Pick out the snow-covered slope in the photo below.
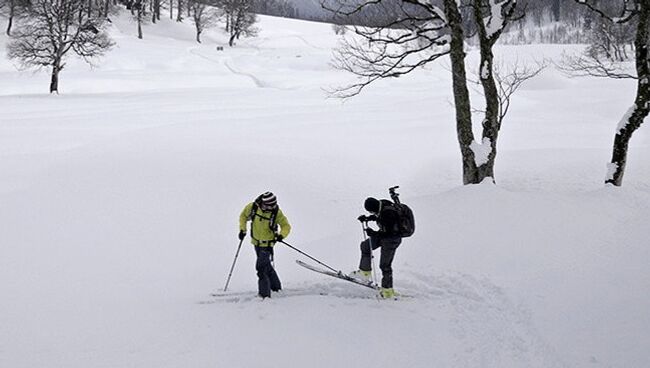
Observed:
{"x":119,"y":201}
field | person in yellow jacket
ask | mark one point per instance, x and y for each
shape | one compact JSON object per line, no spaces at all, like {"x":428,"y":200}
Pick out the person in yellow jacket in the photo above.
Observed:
{"x":265,"y":215}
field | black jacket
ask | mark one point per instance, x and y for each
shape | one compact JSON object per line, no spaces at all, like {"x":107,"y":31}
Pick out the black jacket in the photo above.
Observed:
{"x":388,"y":220}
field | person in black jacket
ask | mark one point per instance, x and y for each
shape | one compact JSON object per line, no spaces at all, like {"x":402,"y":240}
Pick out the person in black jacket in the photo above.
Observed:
{"x":386,"y":238}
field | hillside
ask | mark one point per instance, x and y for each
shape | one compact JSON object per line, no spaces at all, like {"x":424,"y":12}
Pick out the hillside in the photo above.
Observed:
{"x":119,"y":202}
{"x":309,"y":8}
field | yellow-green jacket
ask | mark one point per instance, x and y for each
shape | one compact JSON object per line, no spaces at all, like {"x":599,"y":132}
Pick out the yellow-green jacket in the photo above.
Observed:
{"x":261,"y":233}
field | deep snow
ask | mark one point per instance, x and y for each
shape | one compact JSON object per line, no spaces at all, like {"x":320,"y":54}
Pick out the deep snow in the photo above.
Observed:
{"x":119,"y":201}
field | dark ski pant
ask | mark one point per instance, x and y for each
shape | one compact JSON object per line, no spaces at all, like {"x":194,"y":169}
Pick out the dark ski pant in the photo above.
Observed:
{"x":388,"y":247}
{"x":267,"y":279}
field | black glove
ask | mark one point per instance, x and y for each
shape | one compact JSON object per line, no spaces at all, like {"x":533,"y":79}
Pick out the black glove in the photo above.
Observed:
{"x":371,"y":232}
{"x":241,"y":235}
{"x":279,"y":238}
{"x":364,"y":218}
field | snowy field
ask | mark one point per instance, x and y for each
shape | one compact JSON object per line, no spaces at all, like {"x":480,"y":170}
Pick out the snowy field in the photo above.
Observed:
{"x":119,"y":202}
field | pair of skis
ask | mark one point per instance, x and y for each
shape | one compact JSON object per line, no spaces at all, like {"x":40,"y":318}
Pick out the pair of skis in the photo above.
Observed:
{"x":343,"y":276}
{"x":246,"y":296}
{"x":338,"y":275}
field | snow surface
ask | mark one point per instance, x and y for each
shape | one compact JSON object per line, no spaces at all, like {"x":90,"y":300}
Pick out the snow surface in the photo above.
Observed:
{"x":481,"y":151}
{"x":119,"y":201}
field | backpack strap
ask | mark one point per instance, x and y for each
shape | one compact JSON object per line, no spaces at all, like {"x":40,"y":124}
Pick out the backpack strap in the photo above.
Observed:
{"x":272,"y":220}
{"x":251,"y":215}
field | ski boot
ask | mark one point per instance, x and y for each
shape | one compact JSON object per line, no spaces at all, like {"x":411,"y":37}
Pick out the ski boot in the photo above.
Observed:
{"x":361,"y":275}
{"x":387,"y":293}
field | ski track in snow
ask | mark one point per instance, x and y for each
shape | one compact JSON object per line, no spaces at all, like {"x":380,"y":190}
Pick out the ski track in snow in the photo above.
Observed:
{"x":479,"y":315}
{"x":257,"y":81}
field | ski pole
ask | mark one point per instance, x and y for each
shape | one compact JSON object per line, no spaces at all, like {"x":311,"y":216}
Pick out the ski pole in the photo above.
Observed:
{"x":308,"y":256}
{"x":364,"y":225}
{"x":233,"y":265}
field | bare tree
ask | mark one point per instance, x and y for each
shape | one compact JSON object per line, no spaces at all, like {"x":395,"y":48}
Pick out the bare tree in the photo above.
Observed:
{"x":240,"y":20}
{"x":156,"y":5}
{"x":203,"y":16}
{"x":633,"y":12}
{"x":139,"y":12}
{"x":108,"y":7}
{"x":12,"y":9}
{"x":52,"y":29}
{"x":179,"y":11}
{"x":417,"y":33}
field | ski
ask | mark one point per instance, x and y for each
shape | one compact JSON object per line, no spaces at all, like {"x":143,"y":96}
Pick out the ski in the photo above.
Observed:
{"x":245,"y":296}
{"x":282,"y":293}
{"x":338,"y":275}
{"x":221,"y":294}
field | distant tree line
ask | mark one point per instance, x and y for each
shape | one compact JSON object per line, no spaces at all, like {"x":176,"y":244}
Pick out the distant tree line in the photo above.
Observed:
{"x":276,"y":8}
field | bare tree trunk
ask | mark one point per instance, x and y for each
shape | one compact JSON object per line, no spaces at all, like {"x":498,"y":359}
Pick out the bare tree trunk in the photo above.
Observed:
{"x":640,"y":110}
{"x":231,"y":42}
{"x":156,"y":11}
{"x":54,"y":81}
{"x":179,"y":11}
{"x":139,"y":24}
{"x":11,"y":17}
{"x":9,"y":25}
{"x":171,"y":9}
{"x":491,"y":120}
{"x":461,"y":93}
{"x":198,"y":36}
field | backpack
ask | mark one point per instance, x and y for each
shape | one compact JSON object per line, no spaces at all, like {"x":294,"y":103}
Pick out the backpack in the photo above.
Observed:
{"x":405,"y":226}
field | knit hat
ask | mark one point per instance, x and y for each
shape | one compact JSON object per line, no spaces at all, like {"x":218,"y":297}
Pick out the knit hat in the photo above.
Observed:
{"x":268,"y":200}
{"x":371,"y":205}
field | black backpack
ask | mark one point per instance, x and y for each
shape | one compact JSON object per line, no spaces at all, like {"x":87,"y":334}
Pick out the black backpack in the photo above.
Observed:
{"x":405,"y":226}
{"x":406,"y":220}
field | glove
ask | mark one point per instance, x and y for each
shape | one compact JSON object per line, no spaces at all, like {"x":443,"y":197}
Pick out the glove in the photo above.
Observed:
{"x":371,"y":232}
{"x":241,"y":235}
{"x":364,"y":218}
{"x":279,"y":238}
